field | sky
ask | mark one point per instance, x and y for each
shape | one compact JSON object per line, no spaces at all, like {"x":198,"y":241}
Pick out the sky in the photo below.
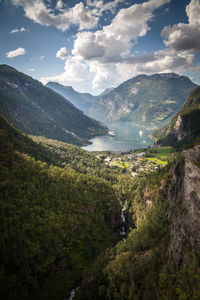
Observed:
{"x":93,"y":45}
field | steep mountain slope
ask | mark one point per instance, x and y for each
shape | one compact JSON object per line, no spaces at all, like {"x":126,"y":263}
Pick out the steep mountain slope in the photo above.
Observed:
{"x":38,"y":110}
{"x":81,"y":100}
{"x":54,"y":221}
{"x":145,"y":100}
{"x":56,"y":224}
{"x":185,"y":126}
{"x":160,"y":257}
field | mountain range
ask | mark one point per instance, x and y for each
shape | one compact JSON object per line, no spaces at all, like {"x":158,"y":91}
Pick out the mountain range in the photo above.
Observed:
{"x":61,"y":226}
{"x":61,"y":207}
{"x":38,"y":110}
{"x":149,"y":101}
{"x":82,"y":101}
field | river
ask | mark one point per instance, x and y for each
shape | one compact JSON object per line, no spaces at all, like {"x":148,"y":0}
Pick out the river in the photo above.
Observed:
{"x":127,"y":137}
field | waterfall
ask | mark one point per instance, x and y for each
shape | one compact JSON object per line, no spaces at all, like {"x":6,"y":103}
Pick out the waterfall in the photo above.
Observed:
{"x":73,"y":292}
{"x":123,"y":229}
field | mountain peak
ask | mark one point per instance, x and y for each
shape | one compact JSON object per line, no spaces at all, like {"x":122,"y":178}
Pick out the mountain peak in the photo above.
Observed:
{"x":146,"y":100}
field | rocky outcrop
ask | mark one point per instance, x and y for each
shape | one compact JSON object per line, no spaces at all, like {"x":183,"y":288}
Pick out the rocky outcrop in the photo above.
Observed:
{"x":185,"y":126}
{"x":184,"y":207}
{"x":182,"y":129}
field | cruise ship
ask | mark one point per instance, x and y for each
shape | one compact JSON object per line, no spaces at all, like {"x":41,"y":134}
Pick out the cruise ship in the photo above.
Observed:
{"x":111,"y":133}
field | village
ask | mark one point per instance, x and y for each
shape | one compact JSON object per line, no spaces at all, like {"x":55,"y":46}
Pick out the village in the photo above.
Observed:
{"x":137,"y":162}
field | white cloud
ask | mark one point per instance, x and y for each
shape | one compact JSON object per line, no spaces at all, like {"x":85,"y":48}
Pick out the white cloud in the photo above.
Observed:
{"x":76,"y":73}
{"x":14,"y":31}
{"x":62,"y":53}
{"x":104,"y":75}
{"x":103,"y":58}
{"x":59,"y":4}
{"x":100,"y":6}
{"x":17,"y":52}
{"x":31,"y":70}
{"x":22,"y":29}
{"x":185,"y":37}
{"x":37,"y":11}
{"x":162,"y":61}
{"x":113,"y":41}
{"x":42,"y":57}
{"x":94,"y":76}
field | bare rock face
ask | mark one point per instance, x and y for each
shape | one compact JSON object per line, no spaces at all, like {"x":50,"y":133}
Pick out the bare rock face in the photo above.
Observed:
{"x":182,"y":129}
{"x":178,"y":129}
{"x":184,"y":209}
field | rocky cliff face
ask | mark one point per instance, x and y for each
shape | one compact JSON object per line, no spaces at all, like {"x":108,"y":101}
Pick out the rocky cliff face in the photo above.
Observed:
{"x":182,"y":130}
{"x":184,"y":209}
{"x":185,"y":125}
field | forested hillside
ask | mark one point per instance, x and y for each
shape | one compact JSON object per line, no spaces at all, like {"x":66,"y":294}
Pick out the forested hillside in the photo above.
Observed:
{"x":185,"y":125}
{"x":60,"y":222}
{"x":100,"y":150}
{"x":38,"y":110}
{"x":160,"y":257}
{"x":54,"y":221}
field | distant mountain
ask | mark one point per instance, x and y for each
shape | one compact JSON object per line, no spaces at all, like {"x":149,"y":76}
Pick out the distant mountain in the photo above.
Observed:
{"x":38,"y":110}
{"x":81,"y":100}
{"x":185,"y":125}
{"x":148,"y":101}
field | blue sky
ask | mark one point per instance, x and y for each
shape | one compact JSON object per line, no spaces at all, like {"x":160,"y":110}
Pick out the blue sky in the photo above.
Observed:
{"x":94,"y":44}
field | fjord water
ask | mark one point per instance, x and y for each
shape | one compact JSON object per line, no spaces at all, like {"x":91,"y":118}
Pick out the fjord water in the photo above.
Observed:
{"x":127,"y":137}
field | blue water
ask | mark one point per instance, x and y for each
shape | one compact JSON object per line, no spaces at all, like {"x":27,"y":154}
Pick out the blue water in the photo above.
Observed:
{"x":127,"y":137}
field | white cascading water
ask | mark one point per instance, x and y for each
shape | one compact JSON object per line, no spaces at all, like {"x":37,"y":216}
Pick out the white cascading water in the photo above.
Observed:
{"x":123,"y":230}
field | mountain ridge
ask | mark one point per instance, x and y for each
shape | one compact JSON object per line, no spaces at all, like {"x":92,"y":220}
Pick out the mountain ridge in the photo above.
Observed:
{"x":184,"y":126}
{"x":81,"y":100}
{"x":146,"y":100}
{"x":38,"y":110}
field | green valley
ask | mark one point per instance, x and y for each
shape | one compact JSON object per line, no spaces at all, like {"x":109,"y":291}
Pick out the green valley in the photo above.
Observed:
{"x":100,"y":225}
{"x":100,"y":150}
